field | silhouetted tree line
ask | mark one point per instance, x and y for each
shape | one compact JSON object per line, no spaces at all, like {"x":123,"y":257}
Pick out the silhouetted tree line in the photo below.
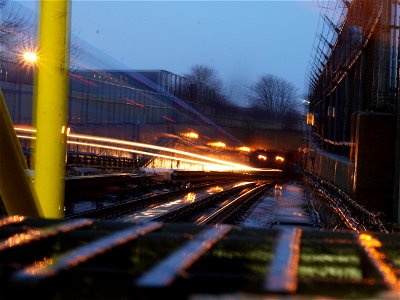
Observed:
{"x":276,"y":97}
{"x":270,"y":98}
{"x":206,"y":88}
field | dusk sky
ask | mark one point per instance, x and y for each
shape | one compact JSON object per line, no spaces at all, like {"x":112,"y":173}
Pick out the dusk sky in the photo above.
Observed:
{"x":242,"y":40}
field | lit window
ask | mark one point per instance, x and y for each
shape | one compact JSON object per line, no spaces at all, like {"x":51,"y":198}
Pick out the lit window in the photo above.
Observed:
{"x":310,"y":119}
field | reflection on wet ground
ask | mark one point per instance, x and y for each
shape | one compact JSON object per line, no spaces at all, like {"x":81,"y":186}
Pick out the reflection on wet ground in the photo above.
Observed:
{"x":285,"y":205}
{"x":158,"y":210}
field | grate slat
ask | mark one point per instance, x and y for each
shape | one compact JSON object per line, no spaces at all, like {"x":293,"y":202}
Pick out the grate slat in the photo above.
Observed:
{"x":82,"y":254}
{"x":11,"y":220}
{"x":282,"y":275}
{"x":370,"y":244}
{"x":164,"y":273}
{"x":31,"y":235}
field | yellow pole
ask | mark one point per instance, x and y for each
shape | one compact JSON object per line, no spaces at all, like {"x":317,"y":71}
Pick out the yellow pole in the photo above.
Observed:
{"x":51,"y":106}
{"x":16,"y":189}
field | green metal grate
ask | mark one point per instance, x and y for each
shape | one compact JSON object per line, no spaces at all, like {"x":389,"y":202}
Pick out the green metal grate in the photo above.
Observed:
{"x":88,"y":259}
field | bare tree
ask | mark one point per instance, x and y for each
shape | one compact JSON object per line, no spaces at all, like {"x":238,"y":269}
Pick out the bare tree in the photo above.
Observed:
{"x":17,"y":34}
{"x":276,"y":96}
{"x":206,"y":76}
{"x":206,"y":89}
{"x":13,"y":30}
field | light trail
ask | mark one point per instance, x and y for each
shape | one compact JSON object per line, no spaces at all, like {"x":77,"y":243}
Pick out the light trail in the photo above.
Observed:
{"x":155,"y":147}
{"x":27,"y":137}
{"x":135,"y":151}
{"x":24,"y":129}
{"x":217,"y":162}
{"x":206,"y":164}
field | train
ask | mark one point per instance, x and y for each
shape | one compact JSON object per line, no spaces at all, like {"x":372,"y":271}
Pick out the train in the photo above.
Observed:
{"x":273,"y":159}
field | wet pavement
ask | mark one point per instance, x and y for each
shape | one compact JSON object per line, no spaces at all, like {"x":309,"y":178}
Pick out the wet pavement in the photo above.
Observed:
{"x":285,"y":205}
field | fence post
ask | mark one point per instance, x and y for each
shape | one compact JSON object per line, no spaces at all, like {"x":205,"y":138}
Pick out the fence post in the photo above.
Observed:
{"x":51,"y":106}
{"x":16,"y":189}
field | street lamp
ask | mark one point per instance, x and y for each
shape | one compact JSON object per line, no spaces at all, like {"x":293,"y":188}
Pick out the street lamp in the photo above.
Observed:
{"x":217,"y":144}
{"x":29,"y":58}
{"x":191,"y":135}
{"x":244,"y":149}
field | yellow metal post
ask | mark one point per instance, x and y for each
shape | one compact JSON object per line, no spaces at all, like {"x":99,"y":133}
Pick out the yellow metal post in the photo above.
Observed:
{"x":16,"y":189}
{"x":51,"y":106}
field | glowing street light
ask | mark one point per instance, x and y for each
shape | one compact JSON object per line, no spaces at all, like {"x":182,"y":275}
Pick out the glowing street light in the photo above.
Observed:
{"x":244,"y":149}
{"x":262,"y":157}
{"x":30,"y":57}
{"x":191,"y":135}
{"x":217,"y":144}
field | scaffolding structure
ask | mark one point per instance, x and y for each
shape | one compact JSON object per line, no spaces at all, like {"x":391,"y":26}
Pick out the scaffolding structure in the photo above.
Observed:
{"x":353,"y":68}
{"x":353,"y":90}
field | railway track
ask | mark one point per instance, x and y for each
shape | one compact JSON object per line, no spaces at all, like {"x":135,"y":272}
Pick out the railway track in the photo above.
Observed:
{"x":203,"y":204}
{"x":211,"y":203}
{"x":133,"y":204}
{"x":96,"y":191}
{"x":218,"y":208}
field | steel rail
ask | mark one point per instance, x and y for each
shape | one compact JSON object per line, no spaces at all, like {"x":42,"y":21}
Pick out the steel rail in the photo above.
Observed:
{"x":32,"y":235}
{"x":190,"y":209}
{"x":133,"y":204}
{"x":232,"y":208}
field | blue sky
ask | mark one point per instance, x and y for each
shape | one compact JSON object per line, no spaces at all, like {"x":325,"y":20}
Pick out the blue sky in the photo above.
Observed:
{"x":242,"y":40}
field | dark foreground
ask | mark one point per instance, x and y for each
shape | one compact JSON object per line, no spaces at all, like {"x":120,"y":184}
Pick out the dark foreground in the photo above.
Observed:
{"x":87,"y":259}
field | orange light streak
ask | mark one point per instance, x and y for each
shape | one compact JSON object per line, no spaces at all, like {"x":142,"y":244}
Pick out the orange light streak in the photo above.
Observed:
{"x":223,"y":206}
{"x":215,"y":189}
{"x":191,"y":135}
{"x":11,"y":220}
{"x":190,"y":197}
{"x":244,"y":149}
{"x":24,"y":129}
{"x":27,"y":137}
{"x":378,"y":258}
{"x":136,"y":151}
{"x":211,"y":166}
{"x":217,"y":144}
{"x":232,"y":165}
{"x":142,"y":145}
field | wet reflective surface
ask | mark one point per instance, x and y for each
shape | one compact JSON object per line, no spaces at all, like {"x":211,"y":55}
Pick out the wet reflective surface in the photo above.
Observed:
{"x":159,"y":210}
{"x":285,"y":205}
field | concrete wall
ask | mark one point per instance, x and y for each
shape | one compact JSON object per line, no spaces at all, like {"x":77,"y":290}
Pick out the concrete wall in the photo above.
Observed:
{"x":375,"y":162}
{"x":374,"y":153}
{"x":369,"y":179}
{"x":336,"y":169}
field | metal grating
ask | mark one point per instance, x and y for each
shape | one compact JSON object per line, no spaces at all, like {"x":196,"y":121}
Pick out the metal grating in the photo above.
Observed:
{"x":96,"y":259}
